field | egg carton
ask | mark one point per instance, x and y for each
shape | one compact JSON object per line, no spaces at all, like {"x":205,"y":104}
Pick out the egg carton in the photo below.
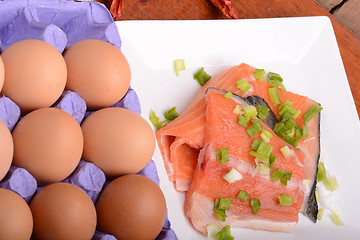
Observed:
{"x":62,"y":23}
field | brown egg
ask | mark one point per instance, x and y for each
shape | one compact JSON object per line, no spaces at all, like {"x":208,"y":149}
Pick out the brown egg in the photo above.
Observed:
{"x":2,"y":73}
{"x":98,"y":72}
{"x":16,"y":222}
{"x":118,"y":141}
{"x":63,"y":211}
{"x":35,"y":74}
{"x":131,"y":207}
{"x":48,"y":142}
{"x":6,"y":150}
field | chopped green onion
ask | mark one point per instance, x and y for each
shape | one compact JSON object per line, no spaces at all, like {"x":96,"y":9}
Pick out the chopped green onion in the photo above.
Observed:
{"x":262,"y":168}
{"x":305,"y":132}
{"x":263,"y":112}
{"x":224,"y":234}
{"x":179,"y":66}
{"x":219,"y":212}
{"x":321,"y":172}
{"x":255,"y":205}
{"x":282,"y":175}
{"x":272,"y":159}
{"x":274,"y":95}
{"x":228,"y":95}
{"x":237,"y":110}
{"x":224,"y":203}
{"x":287,"y":108}
{"x":285,"y":104}
{"x":155,"y":120}
{"x":285,"y":200}
{"x":243,"y":195}
{"x":277,"y":84}
{"x":296,"y":114}
{"x":256,"y":127}
{"x":267,"y":134}
{"x":264,"y":137}
{"x":331,"y":184}
{"x":259,"y":74}
{"x":212,"y":229}
{"x":255,"y":144}
{"x":274,"y":76}
{"x":286,"y":151}
{"x":232,"y":176}
{"x":335,"y":218}
{"x":311,"y":112}
{"x":292,"y":141}
{"x":171,"y":114}
{"x":223,"y":155}
{"x":320,"y":214}
{"x":242,"y":121}
{"x":263,"y":158}
{"x":201,"y":77}
{"x":317,"y":195}
{"x":249,"y":111}
{"x":243,"y":85}
{"x":264,"y":149}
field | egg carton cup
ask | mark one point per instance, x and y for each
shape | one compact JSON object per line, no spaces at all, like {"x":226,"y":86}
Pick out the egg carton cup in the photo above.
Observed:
{"x":62,"y":23}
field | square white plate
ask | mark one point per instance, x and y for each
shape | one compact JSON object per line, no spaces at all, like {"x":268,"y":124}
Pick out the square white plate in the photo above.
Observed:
{"x":302,"y":50}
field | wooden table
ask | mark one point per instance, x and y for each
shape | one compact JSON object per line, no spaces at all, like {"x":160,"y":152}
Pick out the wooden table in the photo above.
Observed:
{"x":348,"y":43}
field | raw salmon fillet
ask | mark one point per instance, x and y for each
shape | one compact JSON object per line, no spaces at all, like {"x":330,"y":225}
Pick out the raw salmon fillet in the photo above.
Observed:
{"x":222,"y":130}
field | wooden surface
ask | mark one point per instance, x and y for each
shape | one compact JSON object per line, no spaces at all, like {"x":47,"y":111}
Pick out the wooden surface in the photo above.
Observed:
{"x":349,"y":44}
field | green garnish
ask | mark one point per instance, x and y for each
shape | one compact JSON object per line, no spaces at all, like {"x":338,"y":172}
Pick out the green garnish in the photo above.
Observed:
{"x":266,"y":136}
{"x":336,"y":219}
{"x":275,"y":80}
{"x":220,"y":205}
{"x":331,"y":184}
{"x":272,"y":159}
{"x":256,"y":127}
{"x":255,"y":205}
{"x":179,"y":66}
{"x":263,"y":112}
{"x":224,"y":234}
{"x":171,"y":114}
{"x":274,"y":95}
{"x":243,"y":84}
{"x":201,"y":77}
{"x":232,"y":176}
{"x":228,"y":95}
{"x":255,"y":144}
{"x":264,"y":149}
{"x":282,"y":175}
{"x":242,"y":121}
{"x":311,"y":112}
{"x":285,"y":151}
{"x":320,"y":214}
{"x":249,"y":112}
{"x":223,"y":155}
{"x":321,"y":172}
{"x":296,"y":114}
{"x":285,"y":200}
{"x":243,"y":195}
{"x":155,"y":120}
{"x":259,"y":74}
{"x":237,"y":109}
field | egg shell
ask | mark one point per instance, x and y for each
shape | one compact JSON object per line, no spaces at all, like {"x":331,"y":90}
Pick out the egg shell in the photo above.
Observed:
{"x":35,"y":74}
{"x":131,"y":207}
{"x":6,"y":149}
{"x":2,"y":73}
{"x":16,"y":222}
{"x":63,"y":211}
{"x":118,"y":141}
{"x":98,"y":72}
{"x":48,"y":142}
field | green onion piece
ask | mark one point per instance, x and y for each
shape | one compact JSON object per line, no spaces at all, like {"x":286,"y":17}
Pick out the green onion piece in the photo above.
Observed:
{"x":242,"y":121}
{"x":263,"y":169}
{"x":237,"y":110}
{"x":317,"y":195}
{"x":212,"y":230}
{"x":287,"y":108}
{"x":179,"y":66}
{"x":284,"y":104}
{"x":264,"y":137}
{"x":243,"y":85}
{"x":285,"y":151}
{"x":259,"y":74}
{"x":255,"y":205}
{"x":282,"y":175}
{"x":272,"y":159}
{"x":292,"y":141}
{"x":249,"y":111}
{"x":305,"y":132}
{"x":274,"y":95}
{"x":263,"y":158}
{"x":155,"y":120}
{"x":320,"y":214}
{"x":263,"y":112}
{"x":335,"y":218}
{"x":232,"y":176}
{"x":331,"y":184}
{"x":243,"y":195}
{"x":224,"y":203}
{"x":277,"y":84}
{"x":201,"y":76}
{"x":321,"y":172}
{"x":311,"y":112}
{"x":228,"y":95}
{"x":223,"y":155}
{"x":256,"y":127}
{"x":285,"y":200}
{"x":224,"y":234}
{"x":219,"y":212}
{"x":171,"y":114}
{"x":296,"y":114}
{"x":264,"y":149}
{"x":274,"y":76}
{"x":267,"y":134}
{"x":255,"y":144}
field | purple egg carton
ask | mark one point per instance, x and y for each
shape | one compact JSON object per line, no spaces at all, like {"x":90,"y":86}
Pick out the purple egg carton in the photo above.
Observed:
{"x":63,"y":23}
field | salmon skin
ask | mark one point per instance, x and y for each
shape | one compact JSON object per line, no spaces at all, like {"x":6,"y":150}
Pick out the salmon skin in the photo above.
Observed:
{"x":222,"y":130}
{"x":182,"y":139}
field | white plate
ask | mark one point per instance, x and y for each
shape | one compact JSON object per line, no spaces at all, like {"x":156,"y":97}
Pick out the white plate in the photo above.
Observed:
{"x":303,"y":50}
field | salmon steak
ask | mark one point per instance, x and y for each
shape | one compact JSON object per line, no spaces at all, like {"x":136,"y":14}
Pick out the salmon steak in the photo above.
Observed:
{"x":223,"y":131}
{"x":182,"y":140}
